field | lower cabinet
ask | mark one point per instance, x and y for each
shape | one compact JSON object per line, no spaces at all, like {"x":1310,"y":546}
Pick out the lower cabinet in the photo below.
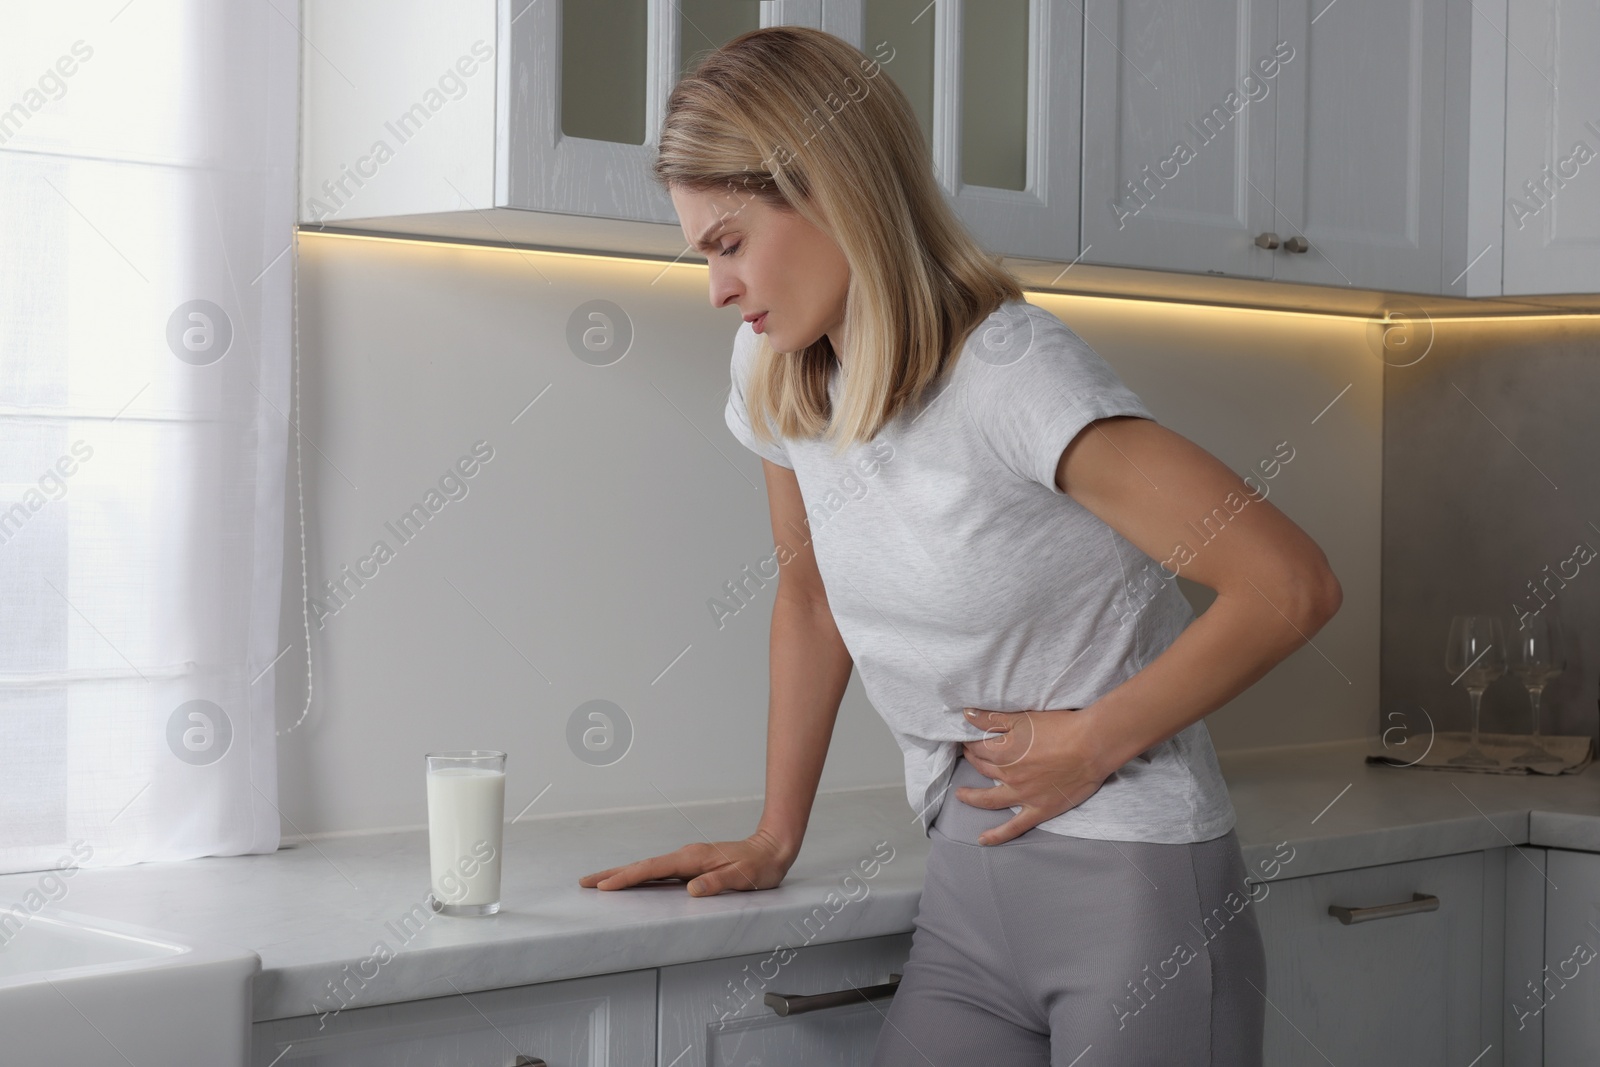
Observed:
{"x":1401,"y":979}
{"x":1480,"y":959}
{"x":716,"y":1013}
{"x":1565,"y":994}
{"x":607,"y":1019}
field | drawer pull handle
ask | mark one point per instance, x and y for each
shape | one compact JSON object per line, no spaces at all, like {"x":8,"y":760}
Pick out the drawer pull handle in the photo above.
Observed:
{"x":529,"y":1061}
{"x":1418,"y":902}
{"x":791,"y":1004}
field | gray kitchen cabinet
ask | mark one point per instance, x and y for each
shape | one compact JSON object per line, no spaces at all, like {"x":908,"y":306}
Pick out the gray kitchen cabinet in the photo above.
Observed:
{"x":714,"y":1013}
{"x":506,"y":121}
{"x":1294,"y":140}
{"x":1564,"y":992}
{"x":597,"y":1021}
{"x":1428,"y":146}
{"x":1159,"y":77}
{"x":1405,"y":983}
{"x":996,"y":87}
{"x":1361,"y":143}
{"x":1552,"y":171}
{"x":1521,"y":1025}
{"x":535,"y":121}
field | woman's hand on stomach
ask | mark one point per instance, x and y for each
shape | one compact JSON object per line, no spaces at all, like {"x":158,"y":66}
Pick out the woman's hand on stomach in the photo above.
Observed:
{"x":1047,"y":761}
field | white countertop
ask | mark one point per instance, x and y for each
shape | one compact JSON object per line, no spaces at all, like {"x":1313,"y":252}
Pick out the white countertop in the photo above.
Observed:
{"x":316,"y":907}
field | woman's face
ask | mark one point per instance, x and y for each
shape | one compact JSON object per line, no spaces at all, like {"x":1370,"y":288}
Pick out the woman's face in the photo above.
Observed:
{"x":771,"y":262}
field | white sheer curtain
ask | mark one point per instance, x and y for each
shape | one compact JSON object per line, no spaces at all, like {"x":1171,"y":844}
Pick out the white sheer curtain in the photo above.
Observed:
{"x":147,"y":184}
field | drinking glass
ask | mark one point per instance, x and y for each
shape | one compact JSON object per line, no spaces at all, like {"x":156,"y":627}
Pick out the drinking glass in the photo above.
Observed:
{"x":466,"y":814}
{"x":1475,"y":655}
{"x":1535,"y":656}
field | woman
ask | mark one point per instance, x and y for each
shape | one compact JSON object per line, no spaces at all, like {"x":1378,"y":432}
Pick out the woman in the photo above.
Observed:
{"x":970,"y":506}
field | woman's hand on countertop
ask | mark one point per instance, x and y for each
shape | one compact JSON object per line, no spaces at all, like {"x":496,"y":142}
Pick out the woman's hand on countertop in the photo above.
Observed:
{"x":758,"y":862}
{"x":1048,"y":761}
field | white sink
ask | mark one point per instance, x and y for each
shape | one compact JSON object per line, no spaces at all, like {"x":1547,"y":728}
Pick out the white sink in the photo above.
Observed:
{"x":81,"y":990}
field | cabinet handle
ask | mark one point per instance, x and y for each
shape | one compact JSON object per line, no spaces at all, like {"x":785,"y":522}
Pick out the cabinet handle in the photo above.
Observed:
{"x":1418,"y":902}
{"x":529,"y":1061}
{"x":1267,"y":240}
{"x":791,"y":1004}
{"x":1297,"y":244}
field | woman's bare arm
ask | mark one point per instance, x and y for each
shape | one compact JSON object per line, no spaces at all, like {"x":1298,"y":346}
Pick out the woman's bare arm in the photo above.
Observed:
{"x":1274,"y":587}
{"x":1274,"y":592}
{"x":810,"y":668}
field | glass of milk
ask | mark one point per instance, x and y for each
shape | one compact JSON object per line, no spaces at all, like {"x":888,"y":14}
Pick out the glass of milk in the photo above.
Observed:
{"x":466,"y":813}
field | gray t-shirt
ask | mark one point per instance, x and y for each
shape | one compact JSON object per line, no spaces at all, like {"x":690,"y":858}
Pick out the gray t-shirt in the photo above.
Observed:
{"x":960,"y":576}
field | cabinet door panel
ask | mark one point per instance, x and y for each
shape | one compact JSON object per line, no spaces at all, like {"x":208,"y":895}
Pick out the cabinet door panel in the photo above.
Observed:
{"x":1401,"y":991}
{"x":1177,"y":144}
{"x":1360,"y":143}
{"x":712,"y":1012}
{"x":1566,"y":995}
{"x":538,"y":167}
{"x":1552,"y":210}
{"x":842,"y":18}
{"x":582,"y":1022}
{"x":1040,"y":219}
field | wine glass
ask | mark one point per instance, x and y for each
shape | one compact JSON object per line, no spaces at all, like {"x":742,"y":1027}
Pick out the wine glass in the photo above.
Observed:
{"x":1475,"y":655}
{"x":1534,"y":654}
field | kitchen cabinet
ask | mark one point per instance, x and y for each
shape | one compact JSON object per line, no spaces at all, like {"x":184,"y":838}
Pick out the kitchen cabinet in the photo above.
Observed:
{"x":1404,"y":982}
{"x":508,"y":122}
{"x":581,"y":1022}
{"x":997,"y":87}
{"x":584,"y":87}
{"x":714,"y":1013}
{"x":535,"y":121}
{"x":1428,"y":146}
{"x":1292,"y":140}
{"x":1521,"y":1027}
{"x":1489,"y":969}
{"x":710,"y":1013}
{"x":1552,"y":148}
{"x":1564,"y":992}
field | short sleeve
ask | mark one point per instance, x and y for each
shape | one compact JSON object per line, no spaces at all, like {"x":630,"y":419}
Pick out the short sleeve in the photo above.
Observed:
{"x":745,"y":344}
{"x":1032,"y":385}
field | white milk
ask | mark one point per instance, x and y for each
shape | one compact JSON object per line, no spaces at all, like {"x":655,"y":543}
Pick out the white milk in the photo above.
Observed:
{"x":466,"y":812}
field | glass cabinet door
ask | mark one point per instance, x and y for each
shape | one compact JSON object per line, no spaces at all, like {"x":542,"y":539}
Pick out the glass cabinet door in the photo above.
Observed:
{"x":996,"y":86}
{"x":1007,"y":117}
{"x":706,"y":25}
{"x":583,"y":87}
{"x":995,"y":64}
{"x":903,"y":30}
{"x":604,"y":64}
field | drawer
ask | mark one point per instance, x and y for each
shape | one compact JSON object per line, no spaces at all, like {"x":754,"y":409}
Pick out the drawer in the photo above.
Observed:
{"x":607,"y":1019}
{"x":1401,"y":984}
{"x":713,"y":1013}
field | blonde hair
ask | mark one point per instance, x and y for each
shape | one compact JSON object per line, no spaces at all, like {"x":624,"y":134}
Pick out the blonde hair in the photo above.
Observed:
{"x":804,"y":121}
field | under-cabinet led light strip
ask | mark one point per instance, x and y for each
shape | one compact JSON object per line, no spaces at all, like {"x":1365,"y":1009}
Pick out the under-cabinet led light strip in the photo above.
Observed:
{"x":636,"y":260}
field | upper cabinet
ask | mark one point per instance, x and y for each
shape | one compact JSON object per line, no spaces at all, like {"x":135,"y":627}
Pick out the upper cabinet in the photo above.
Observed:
{"x":996,"y":86}
{"x":1426,"y":146}
{"x":1179,"y":134}
{"x":517,"y":121}
{"x":585,"y":88}
{"x":1297,"y":140}
{"x":546,"y":113}
{"x":1552,"y":173}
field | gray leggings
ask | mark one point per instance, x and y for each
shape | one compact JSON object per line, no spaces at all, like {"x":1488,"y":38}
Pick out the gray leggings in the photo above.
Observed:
{"x":1049,"y":951}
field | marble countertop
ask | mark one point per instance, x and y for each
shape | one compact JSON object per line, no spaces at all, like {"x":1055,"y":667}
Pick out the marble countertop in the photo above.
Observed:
{"x":319,"y":910}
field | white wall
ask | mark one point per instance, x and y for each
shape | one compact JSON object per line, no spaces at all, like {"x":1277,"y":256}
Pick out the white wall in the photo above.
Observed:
{"x":579,"y":563}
